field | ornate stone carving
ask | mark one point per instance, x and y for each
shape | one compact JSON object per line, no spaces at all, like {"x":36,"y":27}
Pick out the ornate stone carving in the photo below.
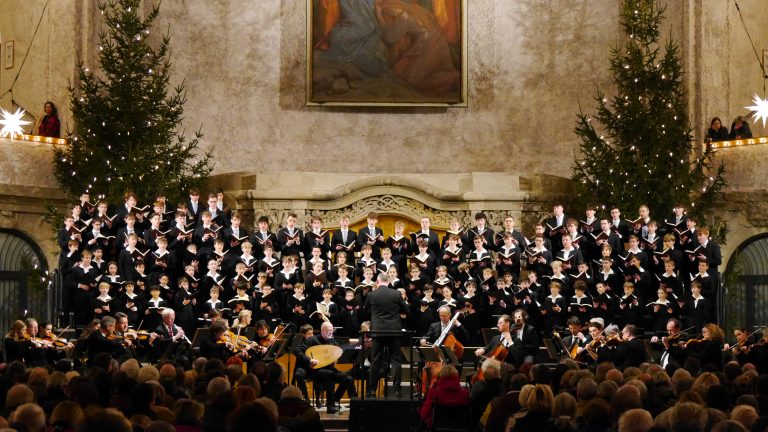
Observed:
{"x":391,"y":204}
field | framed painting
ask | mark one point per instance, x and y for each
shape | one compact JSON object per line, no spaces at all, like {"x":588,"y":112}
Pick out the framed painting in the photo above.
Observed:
{"x":387,"y":52}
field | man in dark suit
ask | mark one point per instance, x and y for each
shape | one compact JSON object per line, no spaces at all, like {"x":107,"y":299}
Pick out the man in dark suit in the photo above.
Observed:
{"x":385,"y":306}
{"x":619,"y":226}
{"x":671,"y":351}
{"x":436,"y":328}
{"x":168,"y":335}
{"x":99,"y":342}
{"x":554,"y":227}
{"x":194,"y":206}
{"x":480,"y":230}
{"x":371,"y":235}
{"x":344,"y":239}
{"x":521,"y":340}
{"x":327,"y":374}
{"x":631,"y":352}
{"x":433,"y":244}
{"x":575,"y":337}
{"x":209,"y":343}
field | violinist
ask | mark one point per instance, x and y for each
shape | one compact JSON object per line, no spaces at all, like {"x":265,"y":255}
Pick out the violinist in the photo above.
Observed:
{"x":437,"y":328}
{"x":127,"y":348}
{"x":60,"y":346}
{"x":39,"y":349}
{"x":740,"y":350}
{"x":631,"y":351}
{"x":263,"y":337}
{"x":16,"y":342}
{"x":593,"y":346}
{"x":707,"y":348}
{"x":215,"y":344}
{"x":102,"y":340}
{"x":673,"y":352}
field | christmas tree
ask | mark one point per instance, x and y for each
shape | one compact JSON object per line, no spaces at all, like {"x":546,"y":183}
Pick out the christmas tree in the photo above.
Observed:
{"x":638,"y":148}
{"x":127,"y":120}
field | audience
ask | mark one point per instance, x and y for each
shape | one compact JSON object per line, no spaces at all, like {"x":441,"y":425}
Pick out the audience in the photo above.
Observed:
{"x":210,"y":397}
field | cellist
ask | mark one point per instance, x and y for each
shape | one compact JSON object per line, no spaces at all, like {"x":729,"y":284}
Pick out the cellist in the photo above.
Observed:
{"x":523,"y":339}
{"x":436,"y":328}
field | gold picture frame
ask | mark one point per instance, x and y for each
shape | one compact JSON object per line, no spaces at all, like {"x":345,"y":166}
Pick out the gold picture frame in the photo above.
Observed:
{"x":391,"y":53}
{"x":9,"y":55}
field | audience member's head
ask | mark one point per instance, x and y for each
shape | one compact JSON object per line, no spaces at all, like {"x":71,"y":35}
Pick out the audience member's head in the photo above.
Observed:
{"x":540,"y":399}
{"x":189,"y":412}
{"x":18,"y":395}
{"x":100,"y":420}
{"x":688,"y":417}
{"x":597,"y":414}
{"x":564,"y":405}
{"x":626,"y":398}
{"x":67,"y":415}
{"x":586,"y":389}
{"x":244,"y":395}
{"x":252,"y":417}
{"x":635,"y":420}
{"x":744,"y":414}
{"x":607,"y":389}
{"x":31,"y":416}
{"x":729,"y":426}
{"x":216,"y":386}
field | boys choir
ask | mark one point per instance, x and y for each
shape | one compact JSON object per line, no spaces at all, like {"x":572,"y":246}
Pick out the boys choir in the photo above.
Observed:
{"x":197,"y":260}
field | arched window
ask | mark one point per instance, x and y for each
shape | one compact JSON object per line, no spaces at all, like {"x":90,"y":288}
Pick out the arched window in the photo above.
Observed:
{"x":746,"y":282}
{"x":23,"y":282}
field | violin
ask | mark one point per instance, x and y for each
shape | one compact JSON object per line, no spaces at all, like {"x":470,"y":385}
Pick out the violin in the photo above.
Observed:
{"x":692,"y":342}
{"x":137,"y":335}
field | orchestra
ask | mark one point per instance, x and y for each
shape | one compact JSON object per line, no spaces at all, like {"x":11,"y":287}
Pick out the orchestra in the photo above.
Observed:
{"x":153,"y":288}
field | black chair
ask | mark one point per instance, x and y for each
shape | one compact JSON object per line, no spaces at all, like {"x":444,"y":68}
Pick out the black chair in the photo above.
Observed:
{"x":451,"y":418}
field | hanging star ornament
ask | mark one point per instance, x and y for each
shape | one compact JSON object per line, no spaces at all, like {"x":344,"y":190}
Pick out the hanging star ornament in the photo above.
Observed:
{"x":760,"y":108}
{"x":12,"y":123}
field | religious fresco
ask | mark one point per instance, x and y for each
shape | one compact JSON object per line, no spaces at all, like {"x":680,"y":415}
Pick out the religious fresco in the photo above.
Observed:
{"x":386,"y":52}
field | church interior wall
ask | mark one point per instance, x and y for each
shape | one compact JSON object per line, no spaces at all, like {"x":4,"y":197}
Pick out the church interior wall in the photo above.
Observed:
{"x":531,"y":67}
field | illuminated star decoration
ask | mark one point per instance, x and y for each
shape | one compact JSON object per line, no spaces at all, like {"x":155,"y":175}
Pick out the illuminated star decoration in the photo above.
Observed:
{"x":760,"y":108}
{"x":12,"y":123}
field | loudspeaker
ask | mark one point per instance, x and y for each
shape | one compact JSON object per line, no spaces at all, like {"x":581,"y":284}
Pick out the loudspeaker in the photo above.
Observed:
{"x":383,"y":415}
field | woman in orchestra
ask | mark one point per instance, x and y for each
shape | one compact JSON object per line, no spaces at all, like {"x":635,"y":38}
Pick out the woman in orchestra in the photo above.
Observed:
{"x":707,"y":348}
{"x":17,"y":342}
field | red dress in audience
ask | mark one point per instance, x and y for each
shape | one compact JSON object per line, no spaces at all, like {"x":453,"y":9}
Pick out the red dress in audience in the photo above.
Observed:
{"x":446,"y":391}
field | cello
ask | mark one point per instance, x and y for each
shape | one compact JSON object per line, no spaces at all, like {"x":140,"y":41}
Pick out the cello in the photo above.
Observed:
{"x":449,"y":341}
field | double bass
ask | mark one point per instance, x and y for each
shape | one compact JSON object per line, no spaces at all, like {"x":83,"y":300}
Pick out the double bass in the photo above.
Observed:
{"x":446,"y":340}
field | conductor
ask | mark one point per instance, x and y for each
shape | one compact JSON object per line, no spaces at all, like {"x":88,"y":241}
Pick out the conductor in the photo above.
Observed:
{"x":385,"y":306}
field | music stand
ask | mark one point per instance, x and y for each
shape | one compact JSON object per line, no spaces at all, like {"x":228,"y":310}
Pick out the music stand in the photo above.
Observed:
{"x":276,"y":350}
{"x":199,"y":333}
{"x":551,"y":350}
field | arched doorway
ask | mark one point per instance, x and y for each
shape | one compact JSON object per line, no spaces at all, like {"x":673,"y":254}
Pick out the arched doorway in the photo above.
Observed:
{"x":746,"y":282}
{"x":24,"y":288}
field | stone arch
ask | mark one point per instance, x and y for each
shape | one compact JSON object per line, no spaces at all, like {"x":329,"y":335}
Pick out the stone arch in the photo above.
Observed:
{"x":746,"y":283}
{"x":21,"y":263}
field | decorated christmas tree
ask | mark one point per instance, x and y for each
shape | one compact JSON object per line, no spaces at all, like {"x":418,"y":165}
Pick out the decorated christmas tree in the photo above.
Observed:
{"x":638,"y":148}
{"x":127,"y":134}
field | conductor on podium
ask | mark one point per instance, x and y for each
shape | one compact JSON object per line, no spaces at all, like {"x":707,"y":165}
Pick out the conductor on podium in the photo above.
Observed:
{"x":385,"y":306}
